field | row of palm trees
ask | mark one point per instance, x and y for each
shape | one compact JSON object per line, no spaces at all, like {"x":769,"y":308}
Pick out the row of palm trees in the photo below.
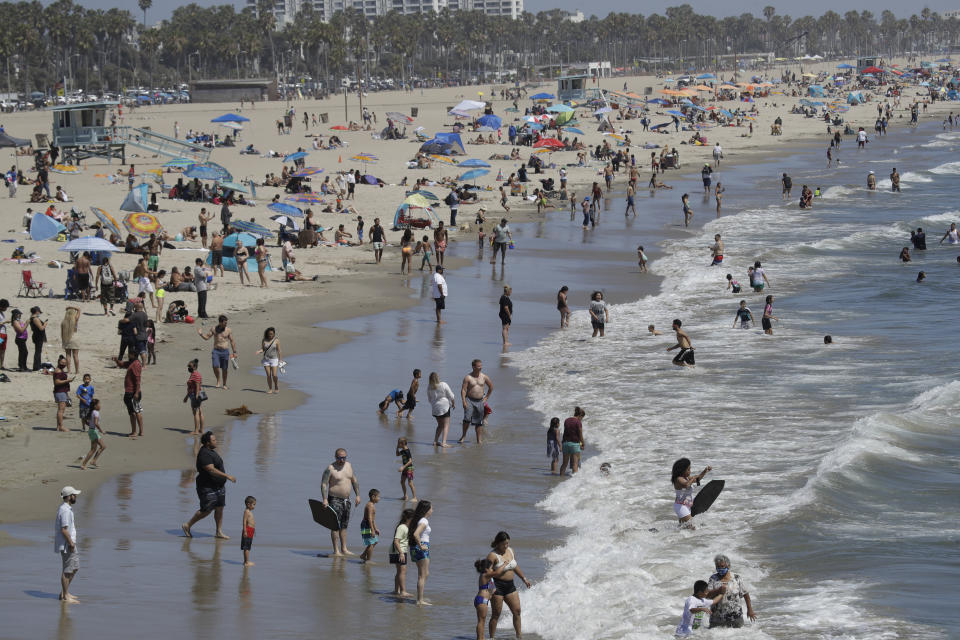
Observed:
{"x":98,"y":49}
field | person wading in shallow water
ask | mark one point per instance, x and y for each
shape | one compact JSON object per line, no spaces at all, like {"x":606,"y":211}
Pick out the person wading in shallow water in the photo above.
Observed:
{"x":473,"y":399}
{"x":338,"y":479}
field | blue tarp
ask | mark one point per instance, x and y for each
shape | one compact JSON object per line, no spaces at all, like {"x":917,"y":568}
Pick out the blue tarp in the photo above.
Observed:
{"x":490,"y":120}
{"x":815,"y":90}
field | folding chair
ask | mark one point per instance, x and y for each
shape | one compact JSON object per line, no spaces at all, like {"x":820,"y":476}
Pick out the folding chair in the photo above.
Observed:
{"x":28,"y":285}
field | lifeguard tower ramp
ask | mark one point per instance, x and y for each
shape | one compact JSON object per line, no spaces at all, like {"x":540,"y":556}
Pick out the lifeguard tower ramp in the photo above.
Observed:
{"x":81,"y":131}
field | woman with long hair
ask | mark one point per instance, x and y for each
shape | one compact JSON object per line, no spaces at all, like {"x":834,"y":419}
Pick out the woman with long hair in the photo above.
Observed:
{"x":400,"y":553}
{"x":270,"y":348}
{"x":240,"y":255}
{"x":562,"y":306}
{"x":505,"y":564}
{"x":442,"y":402}
{"x":38,"y":335}
{"x":419,"y":541}
{"x":20,"y":338}
{"x":683,"y":482}
{"x":263,"y":257}
{"x":406,"y":251}
{"x":194,"y":388}
{"x":68,"y":331}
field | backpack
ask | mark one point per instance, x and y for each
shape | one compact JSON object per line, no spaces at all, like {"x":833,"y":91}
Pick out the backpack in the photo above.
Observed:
{"x":449,"y":200}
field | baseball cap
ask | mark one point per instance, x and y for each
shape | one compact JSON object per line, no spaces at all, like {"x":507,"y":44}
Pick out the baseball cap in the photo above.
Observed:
{"x":69,"y":491}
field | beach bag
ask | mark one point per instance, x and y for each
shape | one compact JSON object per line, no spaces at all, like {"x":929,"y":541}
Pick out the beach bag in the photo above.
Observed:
{"x":449,"y":200}
{"x":202,"y":396}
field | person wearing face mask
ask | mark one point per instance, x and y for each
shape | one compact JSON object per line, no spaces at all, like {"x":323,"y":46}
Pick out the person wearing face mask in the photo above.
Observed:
{"x":727,"y":612}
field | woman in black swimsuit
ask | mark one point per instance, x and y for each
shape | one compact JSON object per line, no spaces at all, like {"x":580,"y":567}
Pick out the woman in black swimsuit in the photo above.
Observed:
{"x":562,"y":306}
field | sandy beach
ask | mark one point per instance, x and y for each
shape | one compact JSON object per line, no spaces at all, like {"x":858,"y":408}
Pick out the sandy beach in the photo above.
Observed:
{"x":363,"y":311}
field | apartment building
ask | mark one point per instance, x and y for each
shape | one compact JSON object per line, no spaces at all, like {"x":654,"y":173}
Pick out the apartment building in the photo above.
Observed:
{"x":286,"y":11}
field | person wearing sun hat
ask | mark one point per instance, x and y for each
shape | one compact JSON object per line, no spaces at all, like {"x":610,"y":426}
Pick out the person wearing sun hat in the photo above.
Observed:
{"x":65,"y":542}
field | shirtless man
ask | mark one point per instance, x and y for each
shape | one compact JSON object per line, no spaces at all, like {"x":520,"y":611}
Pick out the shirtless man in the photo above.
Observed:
{"x":83,"y":275}
{"x":224,"y":349}
{"x":338,"y":478}
{"x":717,"y":251}
{"x":216,"y":253}
{"x":473,"y":398}
{"x":204,"y":218}
{"x":685,"y":357}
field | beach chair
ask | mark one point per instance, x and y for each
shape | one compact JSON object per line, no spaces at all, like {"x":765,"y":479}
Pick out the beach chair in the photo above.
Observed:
{"x":28,"y":285}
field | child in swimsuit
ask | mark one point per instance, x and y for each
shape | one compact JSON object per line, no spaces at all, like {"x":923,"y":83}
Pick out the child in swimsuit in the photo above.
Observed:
{"x":427,"y":249}
{"x":249,"y":528}
{"x":642,"y":259}
{"x":486,"y":587}
{"x":732,"y":284}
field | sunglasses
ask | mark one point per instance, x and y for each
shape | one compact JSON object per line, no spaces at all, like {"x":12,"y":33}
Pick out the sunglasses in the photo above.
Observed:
{"x":341,"y":457}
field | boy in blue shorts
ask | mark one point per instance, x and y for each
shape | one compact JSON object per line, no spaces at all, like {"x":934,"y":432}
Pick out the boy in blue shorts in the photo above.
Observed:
{"x":85,"y":394}
{"x":368,"y":526}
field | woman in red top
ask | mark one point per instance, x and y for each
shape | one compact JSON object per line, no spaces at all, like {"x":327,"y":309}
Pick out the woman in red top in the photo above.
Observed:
{"x":572,"y":441}
{"x":194,"y":389}
{"x":61,"y":388}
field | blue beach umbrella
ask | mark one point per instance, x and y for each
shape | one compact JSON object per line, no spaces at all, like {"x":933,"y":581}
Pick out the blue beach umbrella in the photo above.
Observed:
{"x":661,"y":101}
{"x":286,"y":209}
{"x":179,"y":163}
{"x":674,"y":112}
{"x":296,"y":156}
{"x":474,"y":162}
{"x":705,"y":76}
{"x":542,"y":96}
{"x":233,"y":186}
{"x":230,"y":117}
{"x":490,"y":120}
{"x":473,"y":174}
{"x":208,"y":171}
{"x":845,"y":66}
{"x":559,"y":108}
{"x":252,"y":228}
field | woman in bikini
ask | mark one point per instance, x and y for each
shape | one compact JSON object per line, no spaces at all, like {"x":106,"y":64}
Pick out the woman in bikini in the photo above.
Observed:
{"x":406,"y":251}
{"x":562,"y":306}
{"x":505,"y":564}
{"x":262,"y":256}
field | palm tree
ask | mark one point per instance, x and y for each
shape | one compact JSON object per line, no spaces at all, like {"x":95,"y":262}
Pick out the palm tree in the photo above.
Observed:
{"x":144,"y":5}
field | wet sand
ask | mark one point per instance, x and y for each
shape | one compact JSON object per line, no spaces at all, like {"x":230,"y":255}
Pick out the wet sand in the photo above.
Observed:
{"x":129,"y":527}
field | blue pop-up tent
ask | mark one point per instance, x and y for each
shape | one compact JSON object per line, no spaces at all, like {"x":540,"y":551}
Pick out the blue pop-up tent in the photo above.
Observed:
{"x":453,"y":139}
{"x":230,"y":245}
{"x":137,"y":199}
{"x":815,"y":90}
{"x":490,"y":120}
{"x":855,"y":97}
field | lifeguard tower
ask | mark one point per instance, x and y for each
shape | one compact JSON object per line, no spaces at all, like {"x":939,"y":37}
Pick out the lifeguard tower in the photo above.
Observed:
{"x":572,"y":88}
{"x":83,"y":131}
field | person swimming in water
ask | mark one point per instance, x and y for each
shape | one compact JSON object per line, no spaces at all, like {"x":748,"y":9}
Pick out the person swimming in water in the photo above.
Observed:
{"x":683,"y":483}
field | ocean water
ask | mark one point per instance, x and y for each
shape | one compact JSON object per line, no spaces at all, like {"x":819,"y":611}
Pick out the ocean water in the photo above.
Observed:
{"x":840,"y":509}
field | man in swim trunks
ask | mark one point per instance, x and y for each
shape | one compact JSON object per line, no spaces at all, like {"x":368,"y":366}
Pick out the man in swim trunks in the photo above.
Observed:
{"x":685,"y":357}
{"x":216,"y":253}
{"x":224,"y":348}
{"x":474,"y":398}
{"x":377,"y":237}
{"x":717,"y":251}
{"x":440,"y":239}
{"x":338,"y":479}
{"x":204,"y":218}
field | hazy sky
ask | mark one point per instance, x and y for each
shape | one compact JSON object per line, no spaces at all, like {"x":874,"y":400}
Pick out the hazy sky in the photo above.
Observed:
{"x":162,"y":8}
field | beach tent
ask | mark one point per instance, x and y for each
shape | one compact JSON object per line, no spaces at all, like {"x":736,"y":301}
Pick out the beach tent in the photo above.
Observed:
{"x":564,"y":117}
{"x":815,"y":90}
{"x":137,"y":199}
{"x":43,"y":227}
{"x":490,"y":120}
{"x":412,"y":216}
{"x":435,"y":147}
{"x":230,"y":244}
{"x":230,"y":117}
{"x":465,"y":107}
{"x":855,"y":97}
{"x":452,"y":139}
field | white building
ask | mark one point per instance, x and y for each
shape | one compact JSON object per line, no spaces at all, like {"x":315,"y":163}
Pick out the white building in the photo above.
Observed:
{"x":286,"y":11}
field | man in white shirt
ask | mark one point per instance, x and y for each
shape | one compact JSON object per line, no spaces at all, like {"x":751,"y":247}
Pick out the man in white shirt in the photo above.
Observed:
{"x":717,"y":154}
{"x":351,"y":184}
{"x":65,"y":542}
{"x":438,"y":287}
{"x":501,"y":239}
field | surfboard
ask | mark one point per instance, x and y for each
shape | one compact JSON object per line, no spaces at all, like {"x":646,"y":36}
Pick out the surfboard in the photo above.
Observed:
{"x":326,"y":516}
{"x":705,"y":497}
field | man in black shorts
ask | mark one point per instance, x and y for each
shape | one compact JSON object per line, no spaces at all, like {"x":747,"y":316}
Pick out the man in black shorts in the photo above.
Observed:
{"x":438,"y":287}
{"x":211,"y":491}
{"x":216,"y":253}
{"x":685,"y":357}
{"x":506,"y":315}
{"x":377,"y":237}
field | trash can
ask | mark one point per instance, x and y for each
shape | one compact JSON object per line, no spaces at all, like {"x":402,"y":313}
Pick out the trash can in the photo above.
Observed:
{"x":324,"y":118}
{"x":414,"y":111}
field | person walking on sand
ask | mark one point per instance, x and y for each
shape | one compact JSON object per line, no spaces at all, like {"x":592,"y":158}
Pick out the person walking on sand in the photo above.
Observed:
{"x":240,"y":254}
{"x":95,"y":432}
{"x":505,"y":591}
{"x":65,"y":542}
{"x":685,"y":357}
{"x":419,"y":542}
{"x":572,"y":441}
{"x":211,"y":489}
{"x":506,"y":315}
{"x":270,"y":357}
{"x":338,"y":479}
{"x":687,"y":211}
{"x":440,"y":239}
{"x":194,"y":390}
{"x":475,"y":391}
{"x":438,"y":290}
{"x":377,"y":238}
{"x":224,"y":349}
{"x":262,"y":256}
{"x":442,"y":403}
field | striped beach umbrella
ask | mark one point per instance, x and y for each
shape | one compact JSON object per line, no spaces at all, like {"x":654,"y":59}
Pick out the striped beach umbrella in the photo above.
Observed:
{"x":142,"y":224}
{"x":285,"y":209}
{"x":308,"y":197}
{"x":108,"y":220}
{"x":252,"y":228}
{"x":307,"y":172}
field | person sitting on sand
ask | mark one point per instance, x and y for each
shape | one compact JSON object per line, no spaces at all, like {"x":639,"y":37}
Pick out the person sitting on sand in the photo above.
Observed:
{"x":293,"y":274}
{"x":342,"y":237}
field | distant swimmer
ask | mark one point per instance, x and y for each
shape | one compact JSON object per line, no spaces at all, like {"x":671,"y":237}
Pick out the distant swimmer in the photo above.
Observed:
{"x":905,"y":254}
{"x":743,"y":315}
{"x":828,"y":339}
{"x":921,"y":276}
{"x":895,"y":180}
{"x":872,"y":181}
{"x":685,"y":357}
{"x":683,"y":484}
{"x":919,"y":239}
{"x":732,"y":285}
{"x":951,"y":236}
{"x":652,"y":330}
